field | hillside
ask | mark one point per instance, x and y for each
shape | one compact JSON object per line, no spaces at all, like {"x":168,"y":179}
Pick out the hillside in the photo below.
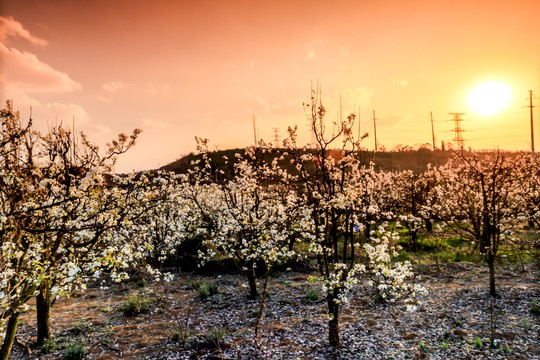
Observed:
{"x":416,"y":160}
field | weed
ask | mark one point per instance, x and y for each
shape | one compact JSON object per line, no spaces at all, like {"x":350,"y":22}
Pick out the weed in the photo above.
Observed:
{"x":525,"y":323}
{"x":216,"y":334}
{"x":180,"y":335}
{"x":287,"y":283}
{"x":80,"y":329}
{"x":312,"y":295}
{"x":75,"y":352}
{"x":535,"y":308}
{"x":422,"y":347}
{"x":105,"y":309}
{"x":444,"y":345}
{"x":206,"y":289}
{"x":49,"y":346}
{"x":135,"y":305}
{"x":478,"y":343}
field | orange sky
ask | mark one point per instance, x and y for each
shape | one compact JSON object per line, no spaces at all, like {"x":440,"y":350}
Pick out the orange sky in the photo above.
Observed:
{"x":180,"y":69}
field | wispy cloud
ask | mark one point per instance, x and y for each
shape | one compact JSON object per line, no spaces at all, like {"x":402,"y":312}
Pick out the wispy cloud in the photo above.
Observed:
{"x":153,"y":123}
{"x":24,"y":71}
{"x":114,"y":86}
{"x":11,"y":27}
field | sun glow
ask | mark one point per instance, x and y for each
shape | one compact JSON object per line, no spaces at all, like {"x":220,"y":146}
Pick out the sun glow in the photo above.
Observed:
{"x":490,"y":98}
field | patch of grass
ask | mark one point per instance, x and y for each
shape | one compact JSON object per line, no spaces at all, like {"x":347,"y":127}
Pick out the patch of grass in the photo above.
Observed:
{"x":525,"y":323}
{"x":455,"y":242}
{"x":535,"y":308}
{"x":80,"y":329}
{"x":49,"y":346}
{"x":505,"y":349}
{"x":75,"y":352}
{"x":478,"y":343}
{"x":216,"y":334}
{"x":205,"y":289}
{"x":135,"y":305}
{"x":312,"y":295}
{"x":287,"y":283}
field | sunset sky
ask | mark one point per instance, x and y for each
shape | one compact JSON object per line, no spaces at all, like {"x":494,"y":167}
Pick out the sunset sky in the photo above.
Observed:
{"x":180,"y":69}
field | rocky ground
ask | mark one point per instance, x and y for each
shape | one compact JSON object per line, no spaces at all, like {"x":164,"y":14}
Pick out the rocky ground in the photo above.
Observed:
{"x":453,"y":321}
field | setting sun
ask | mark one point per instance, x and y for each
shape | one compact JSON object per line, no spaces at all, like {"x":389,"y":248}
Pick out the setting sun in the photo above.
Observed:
{"x":489,"y":98}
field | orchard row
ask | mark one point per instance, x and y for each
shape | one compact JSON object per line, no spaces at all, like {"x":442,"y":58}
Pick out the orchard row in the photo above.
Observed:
{"x":64,"y":219}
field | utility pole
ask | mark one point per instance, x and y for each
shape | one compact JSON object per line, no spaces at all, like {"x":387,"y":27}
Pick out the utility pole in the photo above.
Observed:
{"x":458,"y":137}
{"x":532,"y":127}
{"x":254,"y":131}
{"x":432,"y":131}
{"x":359,"y":122}
{"x":375,"y":129}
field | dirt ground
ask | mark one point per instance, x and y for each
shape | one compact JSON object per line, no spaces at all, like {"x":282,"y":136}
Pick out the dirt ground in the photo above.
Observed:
{"x":453,"y":321}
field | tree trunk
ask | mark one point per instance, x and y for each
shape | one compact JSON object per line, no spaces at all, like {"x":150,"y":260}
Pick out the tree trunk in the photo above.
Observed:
{"x":43,"y":307}
{"x":262,"y":308}
{"x":413,"y":239}
{"x":491,"y":264}
{"x":333,"y":323}
{"x":429,"y":226}
{"x":11,"y":331}
{"x":252,"y":281}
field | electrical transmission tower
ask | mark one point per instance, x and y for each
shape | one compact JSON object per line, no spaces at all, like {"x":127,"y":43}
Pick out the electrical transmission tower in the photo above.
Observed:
{"x":276,"y":137}
{"x":458,"y":137}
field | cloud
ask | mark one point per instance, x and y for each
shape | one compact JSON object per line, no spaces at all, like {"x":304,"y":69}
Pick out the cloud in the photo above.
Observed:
{"x":22,"y":71}
{"x":152,"y":88}
{"x":114,"y":86}
{"x":310,"y":48}
{"x":10,"y":27}
{"x":152,"y":123}
{"x":25,"y":72}
{"x":64,"y":113}
{"x":354,"y":97}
